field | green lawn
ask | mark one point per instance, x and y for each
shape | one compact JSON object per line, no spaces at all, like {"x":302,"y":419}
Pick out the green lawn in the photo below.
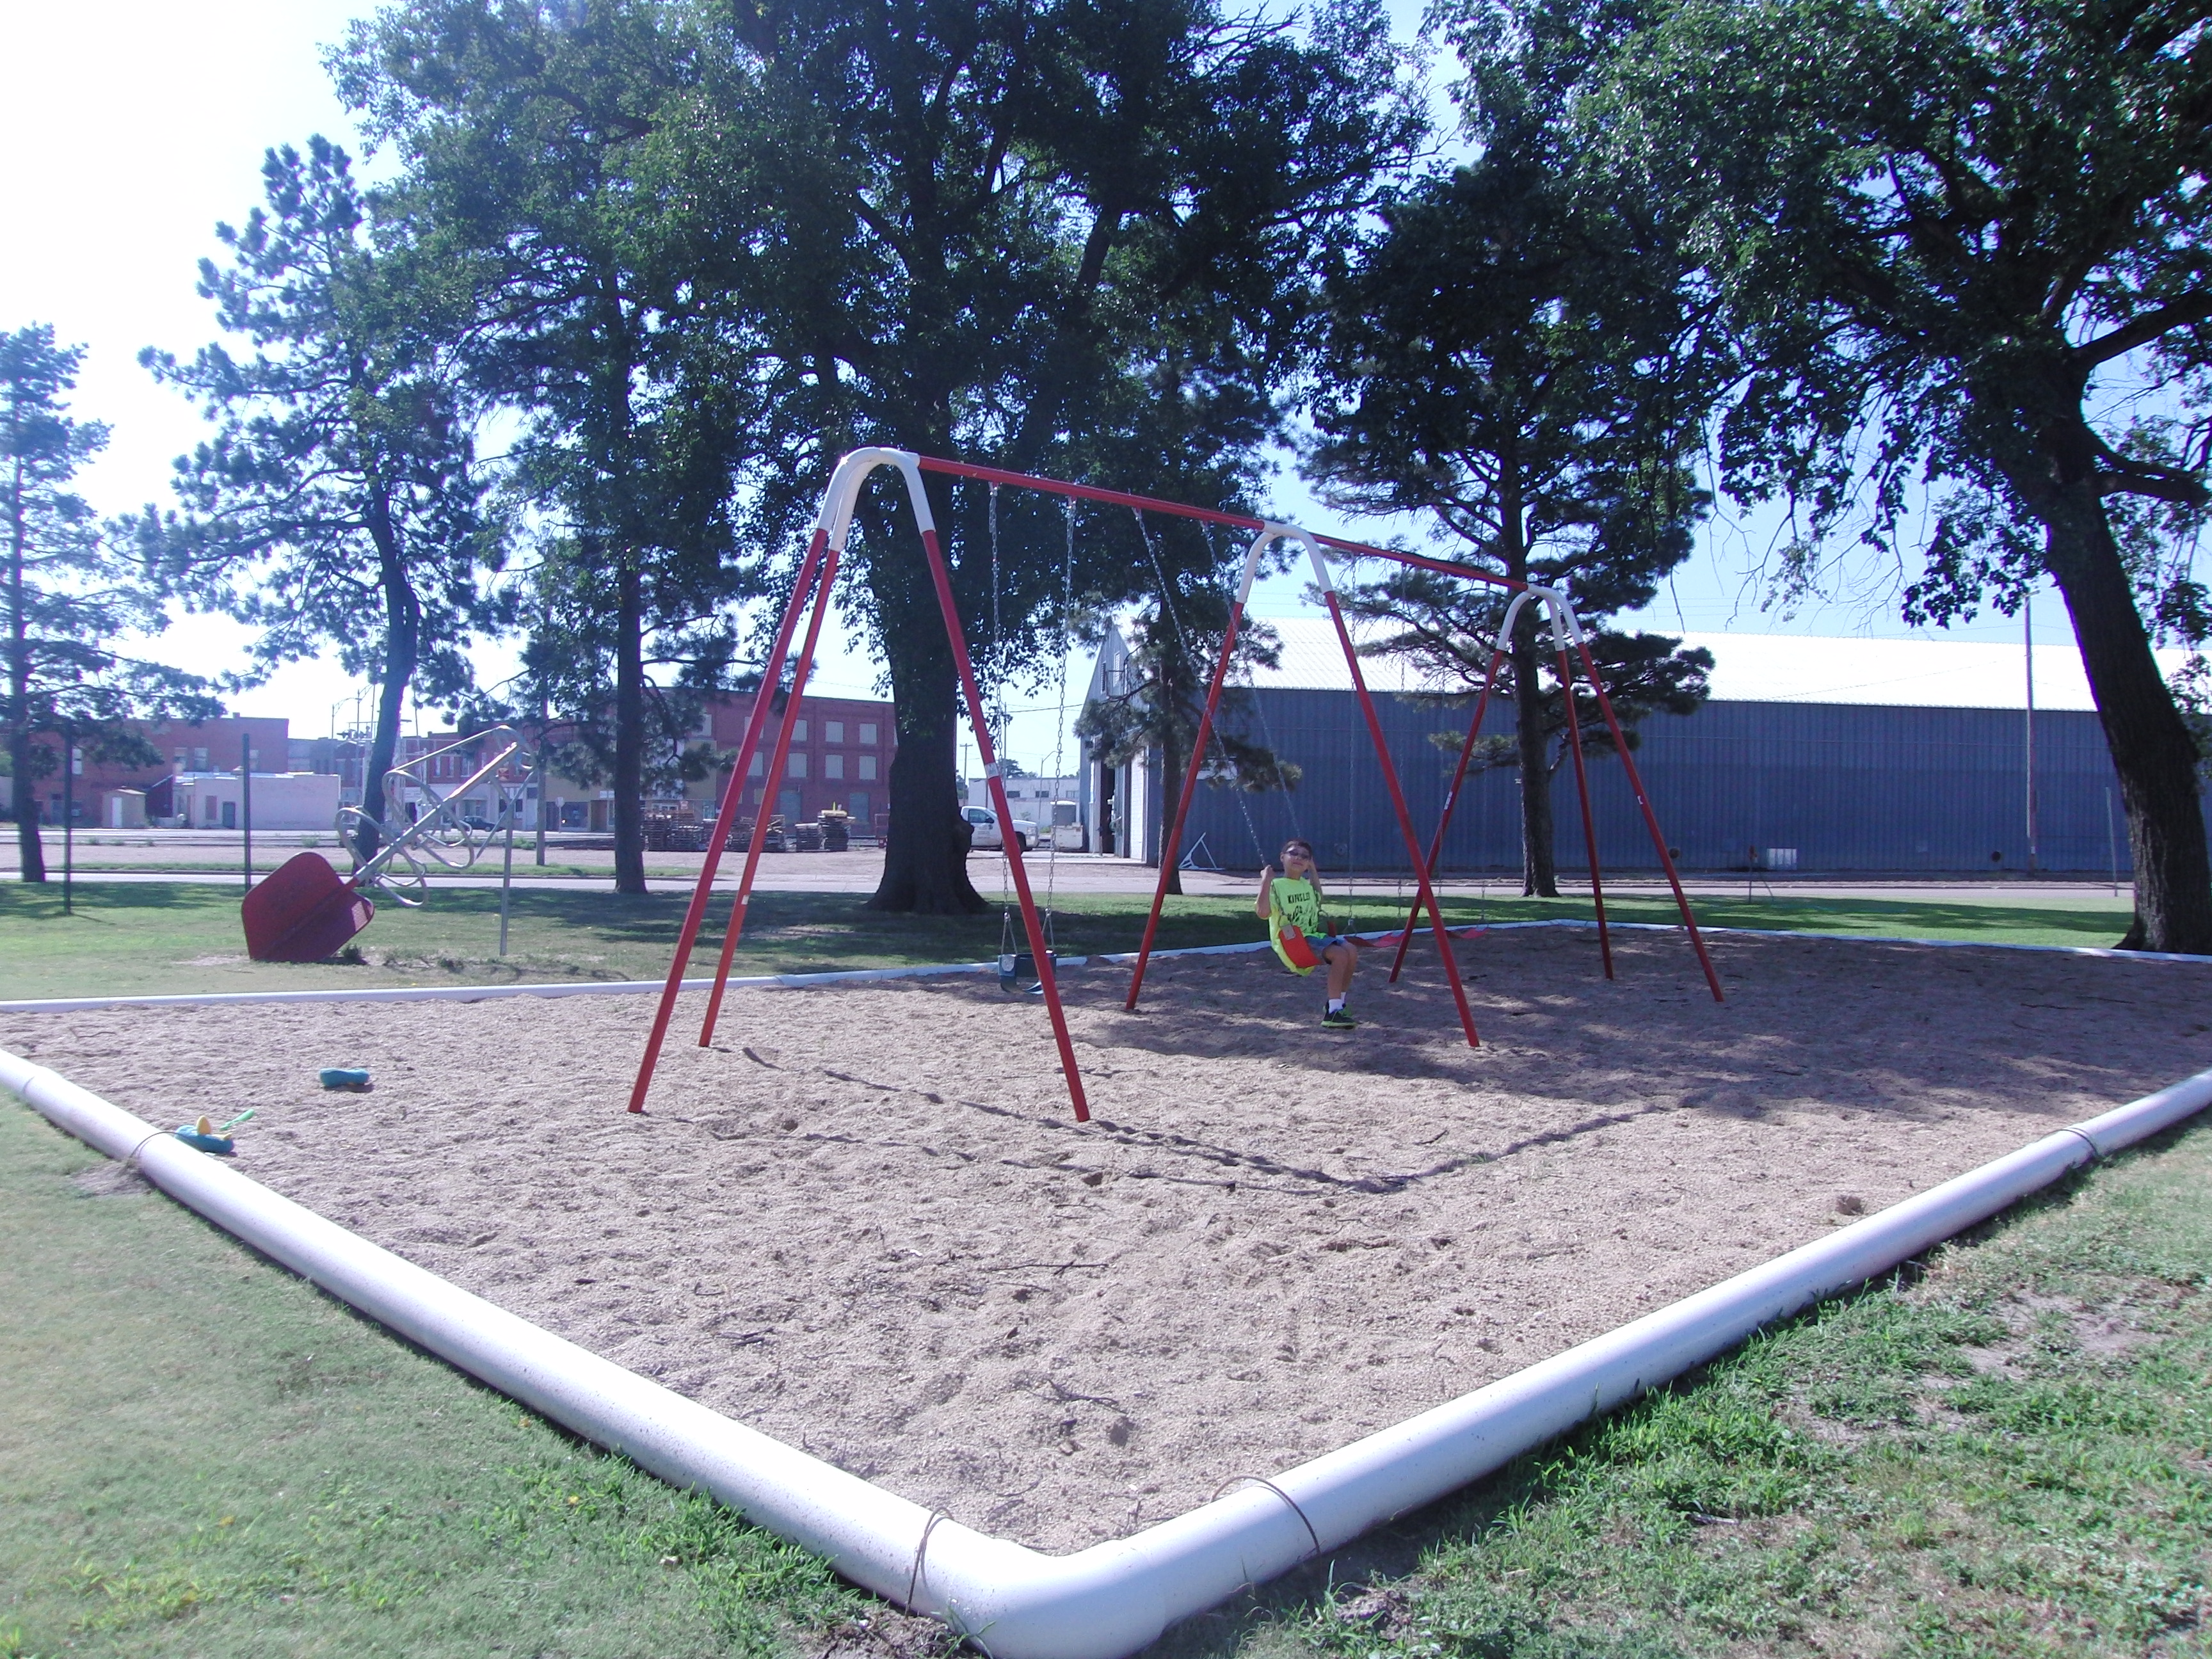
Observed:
{"x":204,"y":1456}
{"x":146,"y":937}
{"x":2007,"y":1454}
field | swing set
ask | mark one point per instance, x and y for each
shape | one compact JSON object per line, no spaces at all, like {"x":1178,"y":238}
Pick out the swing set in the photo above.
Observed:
{"x":817,"y":577}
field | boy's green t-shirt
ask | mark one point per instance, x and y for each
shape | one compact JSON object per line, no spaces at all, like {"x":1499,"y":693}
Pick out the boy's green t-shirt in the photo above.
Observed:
{"x":1293,"y":900}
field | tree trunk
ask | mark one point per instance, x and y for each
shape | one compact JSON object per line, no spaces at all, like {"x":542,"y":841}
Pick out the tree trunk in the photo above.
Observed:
{"x":2151,"y":747}
{"x":1540,"y":873}
{"x":630,"y":728}
{"x":23,"y":801}
{"x":926,"y":860}
{"x":22,"y":793}
{"x":2152,"y":750}
{"x":403,"y":646}
{"x":1172,"y":763}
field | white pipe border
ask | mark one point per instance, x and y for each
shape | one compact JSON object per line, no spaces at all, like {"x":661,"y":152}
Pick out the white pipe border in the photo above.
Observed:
{"x":1112,"y":1599}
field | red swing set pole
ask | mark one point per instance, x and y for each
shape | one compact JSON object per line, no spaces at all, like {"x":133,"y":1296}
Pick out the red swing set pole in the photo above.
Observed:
{"x":1451,"y":804}
{"x":1039,"y":947}
{"x":1428,"y":898}
{"x":735,"y":928}
{"x":1172,"y":842}
{"x":1651,"y":817}
{"x":771,"y":674}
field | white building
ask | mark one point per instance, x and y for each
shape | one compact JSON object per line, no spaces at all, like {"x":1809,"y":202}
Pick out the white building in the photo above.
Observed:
{"x":282,"y":800}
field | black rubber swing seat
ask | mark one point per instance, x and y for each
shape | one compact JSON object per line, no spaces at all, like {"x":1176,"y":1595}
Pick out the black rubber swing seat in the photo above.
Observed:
{"x":1015,"y":967}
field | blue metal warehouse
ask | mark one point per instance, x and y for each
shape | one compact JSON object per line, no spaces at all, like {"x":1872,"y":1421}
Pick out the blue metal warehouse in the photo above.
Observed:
{"x":1865,"y":782}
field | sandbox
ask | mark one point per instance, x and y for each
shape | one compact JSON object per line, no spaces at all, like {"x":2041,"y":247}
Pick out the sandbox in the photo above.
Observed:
{"x":864,"y":1223}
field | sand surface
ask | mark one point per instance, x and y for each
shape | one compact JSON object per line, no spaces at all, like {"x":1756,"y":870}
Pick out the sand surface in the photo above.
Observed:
{"x":864,"y":1222}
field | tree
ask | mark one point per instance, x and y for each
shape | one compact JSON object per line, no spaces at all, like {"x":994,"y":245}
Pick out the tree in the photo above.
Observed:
{"x":341,"y":502}
{"x":541,"y":170}
{"x":71,"y":592}
{"x":1054,"y":237}
{"x":1520,"y":358}
{"x":1966,"y":246}
{"x":1158,"y":699}
{"x":1061,"y":237}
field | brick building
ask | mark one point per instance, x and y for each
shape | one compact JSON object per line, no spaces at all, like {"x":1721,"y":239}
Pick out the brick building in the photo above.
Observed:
{"x":210,"y":745}
{"x":841,"y":755}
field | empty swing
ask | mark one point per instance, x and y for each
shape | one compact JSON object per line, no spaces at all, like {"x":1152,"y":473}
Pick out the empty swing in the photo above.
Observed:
{"x":1018,"y":967}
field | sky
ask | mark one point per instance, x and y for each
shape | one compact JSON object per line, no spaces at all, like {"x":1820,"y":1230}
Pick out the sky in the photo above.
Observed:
{"x":132,"y":128}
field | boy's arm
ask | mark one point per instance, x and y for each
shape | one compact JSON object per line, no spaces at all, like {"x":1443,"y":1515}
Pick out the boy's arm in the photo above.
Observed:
{"x":1263,"y":907}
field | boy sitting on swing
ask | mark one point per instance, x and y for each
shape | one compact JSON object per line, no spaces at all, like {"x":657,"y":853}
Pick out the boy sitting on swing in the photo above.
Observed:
{"x":1291,"y":904}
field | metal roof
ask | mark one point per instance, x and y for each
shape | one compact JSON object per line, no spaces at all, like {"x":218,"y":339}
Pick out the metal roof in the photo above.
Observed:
{"x":1808,"y":668}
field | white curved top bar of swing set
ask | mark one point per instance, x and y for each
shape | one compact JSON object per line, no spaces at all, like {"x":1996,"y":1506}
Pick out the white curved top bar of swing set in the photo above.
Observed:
{"x":1270,"y":534}
{"x":843,"y":495}
{"x":844,"y":492}
{"x":1566,"y":626}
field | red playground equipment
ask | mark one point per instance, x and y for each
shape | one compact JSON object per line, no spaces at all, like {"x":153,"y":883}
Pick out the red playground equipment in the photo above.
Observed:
{"x":305,"y":911}
{"x":1566,"y":631}
{"x":818,"y":573}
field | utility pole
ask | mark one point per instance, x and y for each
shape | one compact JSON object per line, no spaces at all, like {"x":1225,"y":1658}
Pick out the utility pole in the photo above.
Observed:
{"x":2028,"y":635}
{"x":245,"y":799}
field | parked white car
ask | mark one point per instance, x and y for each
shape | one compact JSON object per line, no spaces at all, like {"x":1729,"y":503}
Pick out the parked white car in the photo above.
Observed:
{"x":985,"y":824}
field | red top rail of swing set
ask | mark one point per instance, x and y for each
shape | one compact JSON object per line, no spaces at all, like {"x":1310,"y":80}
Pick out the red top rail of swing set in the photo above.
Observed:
{"x":1207,"y":515}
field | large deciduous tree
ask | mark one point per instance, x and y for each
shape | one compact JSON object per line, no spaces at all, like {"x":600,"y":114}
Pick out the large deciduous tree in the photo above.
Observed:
{"x":1057,"y":237}
{"x":1966,"y":242}
{"x":1052,"y":235}
{"x":341,"y":502}
{"x":71,"y":593}
{"x":1521,"y":359}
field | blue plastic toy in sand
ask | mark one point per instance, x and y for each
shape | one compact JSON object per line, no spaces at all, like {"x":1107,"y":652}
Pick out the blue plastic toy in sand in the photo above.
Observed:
{"x":206,"y":1137}
{"x":344,"y":1076}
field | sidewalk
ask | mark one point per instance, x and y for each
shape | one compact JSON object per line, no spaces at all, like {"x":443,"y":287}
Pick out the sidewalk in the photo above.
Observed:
{"x":107,"y":856}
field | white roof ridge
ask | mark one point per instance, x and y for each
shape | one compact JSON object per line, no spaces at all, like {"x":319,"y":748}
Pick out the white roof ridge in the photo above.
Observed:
{"x":1797,"y":668}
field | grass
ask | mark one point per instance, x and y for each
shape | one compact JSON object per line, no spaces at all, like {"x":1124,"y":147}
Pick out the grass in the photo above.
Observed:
{"x":149,"y":936}
{"x":2008,"y":1455}
{"x":205,"y":1456}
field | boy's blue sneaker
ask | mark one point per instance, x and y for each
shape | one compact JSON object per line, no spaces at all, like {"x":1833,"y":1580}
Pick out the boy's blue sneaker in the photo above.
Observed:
{"x":1339,"y":1020}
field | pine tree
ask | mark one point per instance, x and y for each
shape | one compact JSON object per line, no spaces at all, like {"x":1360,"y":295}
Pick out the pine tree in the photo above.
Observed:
{"x":71,"y":592}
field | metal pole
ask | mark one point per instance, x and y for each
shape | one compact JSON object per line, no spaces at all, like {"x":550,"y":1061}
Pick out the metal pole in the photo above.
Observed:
{"x":779,"y":756}
{"x":2111,"y":841}
{"x":69,"y":822}
{"x":2027,"y":651}
{"x":1040,"y":946}
{"x":1651,"y":817}
{"x":508,"y":801}
{"x":538,"y":772}
{"x":1171,"y":838}
{"x":245,"y":799}
{"x":771,"y":671}
{"x":1427,"y":898}
{"x":1451,"y":800}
